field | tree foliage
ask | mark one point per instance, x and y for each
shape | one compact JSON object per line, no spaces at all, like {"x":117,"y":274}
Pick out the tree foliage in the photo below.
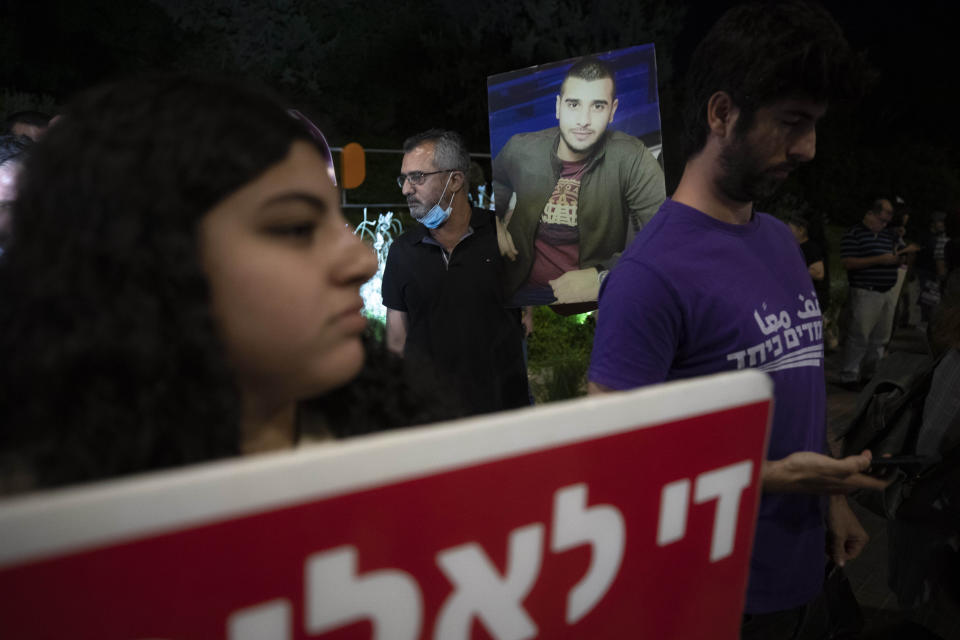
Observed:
{"x":58,"y":47}
{"x":390,"y":69}
{"x":376,"y":71}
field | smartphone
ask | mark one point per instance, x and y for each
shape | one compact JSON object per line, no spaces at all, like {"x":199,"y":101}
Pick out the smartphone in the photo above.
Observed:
{"x":897,"y":461}
{"x":883,"y":465}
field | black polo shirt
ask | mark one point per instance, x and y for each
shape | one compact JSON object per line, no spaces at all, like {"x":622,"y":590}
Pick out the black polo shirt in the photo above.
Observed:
{"x":860,"y":242}
{"x":458,"y":325}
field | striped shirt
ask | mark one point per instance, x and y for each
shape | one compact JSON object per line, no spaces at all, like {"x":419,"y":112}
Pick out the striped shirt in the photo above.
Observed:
{"x":860,"y":242}
{"x":939,"y":250}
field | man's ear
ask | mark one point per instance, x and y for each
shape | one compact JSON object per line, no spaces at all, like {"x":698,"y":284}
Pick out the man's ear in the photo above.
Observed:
{"x":456,"y":181}
{"x":721,"y":114}
{"x":558,"y":106}
{"x":613,"y":109}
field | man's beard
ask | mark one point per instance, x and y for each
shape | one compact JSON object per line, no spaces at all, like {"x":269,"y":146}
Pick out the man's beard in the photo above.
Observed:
{"x":743,"y":179}
{"x":588,"y":150}
{"x":420,"y":211}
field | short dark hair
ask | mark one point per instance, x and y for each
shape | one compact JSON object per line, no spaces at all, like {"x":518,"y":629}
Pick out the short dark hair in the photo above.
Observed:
{"x":590,"y":69}
{"x":762,"y":52}
{"x":32,"y":118}
{"x":449,"y":150}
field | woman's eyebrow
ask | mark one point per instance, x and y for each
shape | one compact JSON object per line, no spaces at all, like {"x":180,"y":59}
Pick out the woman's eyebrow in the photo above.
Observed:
{"x":298,"y":196}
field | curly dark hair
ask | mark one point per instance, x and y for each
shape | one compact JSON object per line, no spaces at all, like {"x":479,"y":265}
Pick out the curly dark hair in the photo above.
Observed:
{"x":13,"y":147}
{"x":111,"y":362}
{"x":762,"y":52}
{"x":382,"y":397}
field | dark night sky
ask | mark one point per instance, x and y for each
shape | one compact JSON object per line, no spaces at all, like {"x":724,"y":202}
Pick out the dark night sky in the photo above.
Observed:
{"x":57,"y":47}
{"x":911,"y":44}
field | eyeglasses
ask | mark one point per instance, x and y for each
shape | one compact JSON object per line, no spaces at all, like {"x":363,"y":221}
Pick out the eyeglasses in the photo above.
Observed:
{"x":319,"y":138}
{"x":416,"y":178}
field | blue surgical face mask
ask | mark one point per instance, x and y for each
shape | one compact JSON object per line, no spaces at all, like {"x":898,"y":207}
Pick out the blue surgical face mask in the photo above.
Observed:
{"x":438,"y":215}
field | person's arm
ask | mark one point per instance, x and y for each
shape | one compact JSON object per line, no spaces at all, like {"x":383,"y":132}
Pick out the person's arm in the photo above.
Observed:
{"x":912,"y":247}
{"x":810,"y":472}
{"x":504,"y":240}
{"x":595,"y":388}
{"x":577,"y":285}
{"x":526,"y":319}
{"x":850,"y":247}
{"x":644,"y":191}
{"x":397,"y":324}
{"x":502,"y":182}
{"x":504,"y":199}
{"x":392,"y":291}
{"x":846,"y":538}
{"x":639,"y":324}
{"x":855,"y":264}
{"x":816,"y":270}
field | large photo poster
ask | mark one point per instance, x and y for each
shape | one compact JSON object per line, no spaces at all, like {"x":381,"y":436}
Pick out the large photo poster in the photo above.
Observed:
{"x":576,"y":150}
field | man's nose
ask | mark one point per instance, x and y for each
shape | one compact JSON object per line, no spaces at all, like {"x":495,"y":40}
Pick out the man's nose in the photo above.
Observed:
{"x":583,"y":117}
{"x":356,"y":262}
{"x":804,"y":148}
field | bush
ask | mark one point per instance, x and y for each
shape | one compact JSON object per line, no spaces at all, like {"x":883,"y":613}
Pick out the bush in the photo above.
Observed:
{"x":559,"y":354}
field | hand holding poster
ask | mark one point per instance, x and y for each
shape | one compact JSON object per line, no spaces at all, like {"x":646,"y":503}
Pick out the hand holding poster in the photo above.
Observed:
{"x":624,"y":515}
{"x":575,"y":172}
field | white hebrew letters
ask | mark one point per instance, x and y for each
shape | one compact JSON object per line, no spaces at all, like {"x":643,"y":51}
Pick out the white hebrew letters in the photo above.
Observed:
{"x":600,"y":526}
{"x":674,"y":499}
{"x":337,"y":596}
{"x":727,"y":485}
{"x":480,"y":591}
{"x":268,"y":620}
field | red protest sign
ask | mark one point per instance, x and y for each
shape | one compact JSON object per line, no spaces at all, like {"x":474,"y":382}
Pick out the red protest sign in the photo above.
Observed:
{"x":602,"y":518}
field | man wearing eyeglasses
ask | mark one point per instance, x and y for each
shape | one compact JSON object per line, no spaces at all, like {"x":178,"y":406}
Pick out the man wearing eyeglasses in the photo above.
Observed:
{"x":869,"y":253}
{"x":581,"y":192}
{"x":442,"y":285}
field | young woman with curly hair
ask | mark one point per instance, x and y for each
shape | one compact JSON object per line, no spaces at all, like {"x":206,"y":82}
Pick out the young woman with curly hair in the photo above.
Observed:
{"x":179,"y":280}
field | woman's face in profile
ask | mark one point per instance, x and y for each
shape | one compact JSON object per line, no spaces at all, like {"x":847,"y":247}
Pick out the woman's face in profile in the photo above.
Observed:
{"x":284,"y":272}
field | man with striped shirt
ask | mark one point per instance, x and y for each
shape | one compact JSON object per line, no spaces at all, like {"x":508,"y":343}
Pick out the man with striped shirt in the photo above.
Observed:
{"x":868,"y":252}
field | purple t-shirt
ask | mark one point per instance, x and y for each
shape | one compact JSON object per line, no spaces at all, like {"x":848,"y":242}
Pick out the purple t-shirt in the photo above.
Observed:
{"x":692,"y":296}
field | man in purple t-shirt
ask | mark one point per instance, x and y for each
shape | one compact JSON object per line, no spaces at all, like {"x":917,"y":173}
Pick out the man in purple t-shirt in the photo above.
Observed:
{"x":710,"y":285}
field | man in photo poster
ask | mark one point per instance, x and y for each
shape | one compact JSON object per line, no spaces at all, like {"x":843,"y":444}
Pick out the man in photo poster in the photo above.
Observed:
{"x":570,"y":198}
